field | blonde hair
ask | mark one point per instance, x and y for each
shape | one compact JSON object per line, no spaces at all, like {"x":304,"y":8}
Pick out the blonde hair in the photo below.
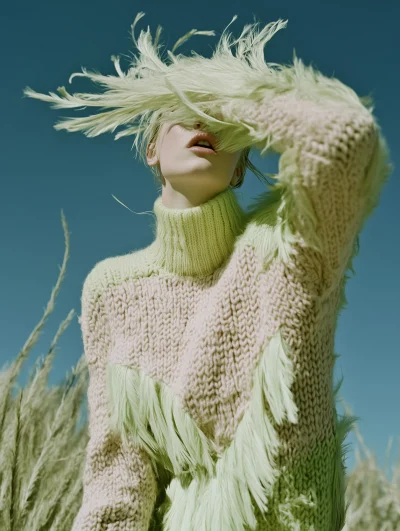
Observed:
{"x":153,"y":92}
{"x":194,"y":88}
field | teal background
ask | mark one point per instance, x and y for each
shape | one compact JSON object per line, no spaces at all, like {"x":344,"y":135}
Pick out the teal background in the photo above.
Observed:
{"x":44,"y":171}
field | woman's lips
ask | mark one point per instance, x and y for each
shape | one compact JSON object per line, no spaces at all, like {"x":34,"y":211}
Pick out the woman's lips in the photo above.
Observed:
{"x":203,"y":150}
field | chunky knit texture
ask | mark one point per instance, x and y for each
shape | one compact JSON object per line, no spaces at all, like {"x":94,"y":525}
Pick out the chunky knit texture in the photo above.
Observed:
{"x":212,"y":405}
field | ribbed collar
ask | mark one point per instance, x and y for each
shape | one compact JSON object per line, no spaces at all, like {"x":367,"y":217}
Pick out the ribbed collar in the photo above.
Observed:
{"x":196,"y":241}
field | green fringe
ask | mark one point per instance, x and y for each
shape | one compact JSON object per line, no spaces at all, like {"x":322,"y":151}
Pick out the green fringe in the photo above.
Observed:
{"x":208,"y":490}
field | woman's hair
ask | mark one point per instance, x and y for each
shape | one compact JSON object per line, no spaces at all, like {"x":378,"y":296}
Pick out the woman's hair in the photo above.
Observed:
{"x":185,"y":89}
{"x":151,"y":135}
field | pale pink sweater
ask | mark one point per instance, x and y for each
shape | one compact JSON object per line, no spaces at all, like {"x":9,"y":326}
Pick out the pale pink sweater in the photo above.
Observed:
{"x":211,"y":399}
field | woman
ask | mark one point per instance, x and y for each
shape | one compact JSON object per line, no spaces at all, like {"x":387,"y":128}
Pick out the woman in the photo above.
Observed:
{"x":210,"y":352}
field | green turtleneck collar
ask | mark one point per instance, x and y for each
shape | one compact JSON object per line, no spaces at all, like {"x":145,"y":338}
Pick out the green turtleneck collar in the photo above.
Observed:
{"x":196,"y":241}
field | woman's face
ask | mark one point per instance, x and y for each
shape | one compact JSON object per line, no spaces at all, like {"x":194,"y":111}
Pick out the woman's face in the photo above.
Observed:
{"x":184,"y":169}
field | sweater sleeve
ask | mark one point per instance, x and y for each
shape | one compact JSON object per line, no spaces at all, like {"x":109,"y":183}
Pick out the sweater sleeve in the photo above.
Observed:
{"x":332,"y":167}
{"x":119,"y":485}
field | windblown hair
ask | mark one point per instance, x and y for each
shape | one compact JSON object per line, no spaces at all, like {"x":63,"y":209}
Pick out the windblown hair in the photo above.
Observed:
{"x":194,"y":88}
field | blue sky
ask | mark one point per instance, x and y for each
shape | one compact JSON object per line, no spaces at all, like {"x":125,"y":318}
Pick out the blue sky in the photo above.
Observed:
{"x":44,"y":171}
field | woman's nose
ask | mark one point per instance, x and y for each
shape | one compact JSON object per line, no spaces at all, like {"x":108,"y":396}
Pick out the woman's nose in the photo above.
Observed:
{"x":200,"y":125}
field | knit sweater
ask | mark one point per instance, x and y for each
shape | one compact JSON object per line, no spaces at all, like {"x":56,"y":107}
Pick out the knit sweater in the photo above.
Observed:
{"x":212,"y":405}
{"x":211,"y":351}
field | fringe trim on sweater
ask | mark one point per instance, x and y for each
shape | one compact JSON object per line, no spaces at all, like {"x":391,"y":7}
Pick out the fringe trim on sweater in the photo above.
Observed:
{"x":218,"y":490}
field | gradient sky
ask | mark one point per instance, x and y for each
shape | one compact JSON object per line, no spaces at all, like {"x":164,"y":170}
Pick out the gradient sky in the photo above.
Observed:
{"x":44,"y":171}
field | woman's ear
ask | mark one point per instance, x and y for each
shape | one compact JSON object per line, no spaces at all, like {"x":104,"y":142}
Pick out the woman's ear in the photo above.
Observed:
{"x":151,"y":155}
